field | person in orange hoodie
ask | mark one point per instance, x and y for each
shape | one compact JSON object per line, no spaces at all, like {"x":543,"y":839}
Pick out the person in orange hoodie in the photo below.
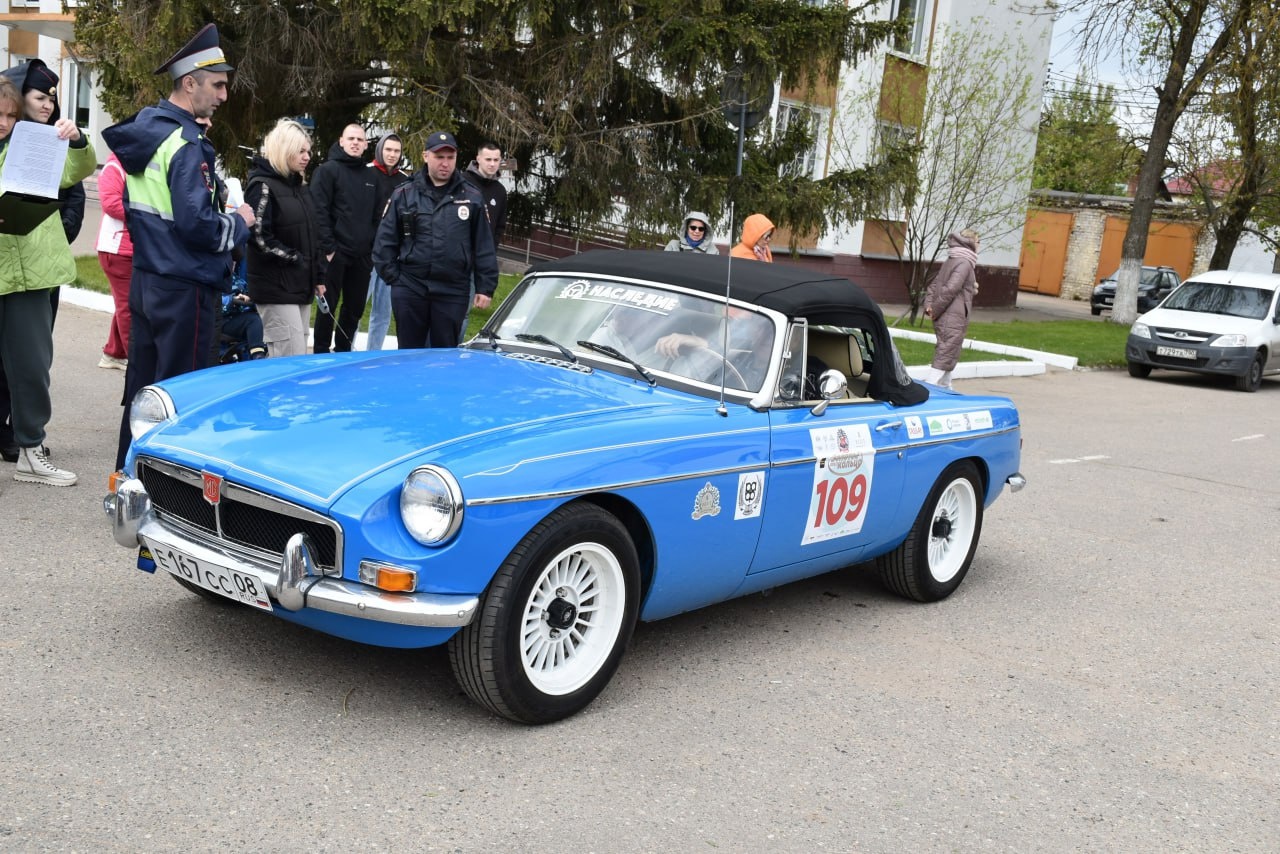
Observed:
{"x":757,"y":231}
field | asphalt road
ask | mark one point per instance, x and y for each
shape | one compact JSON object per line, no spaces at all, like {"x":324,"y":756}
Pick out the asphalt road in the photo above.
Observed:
{"x":1105,"y":680}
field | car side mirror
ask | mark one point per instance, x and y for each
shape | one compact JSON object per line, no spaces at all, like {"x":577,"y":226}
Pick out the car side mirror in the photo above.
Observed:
{"x":831,"y":385}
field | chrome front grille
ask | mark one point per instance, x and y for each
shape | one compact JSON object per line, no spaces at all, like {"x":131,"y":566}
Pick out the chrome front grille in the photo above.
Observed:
{"x":243,"y":519}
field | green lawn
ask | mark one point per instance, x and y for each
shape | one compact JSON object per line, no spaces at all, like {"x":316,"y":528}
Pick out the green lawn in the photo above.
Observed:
{"x":1093,"y":344}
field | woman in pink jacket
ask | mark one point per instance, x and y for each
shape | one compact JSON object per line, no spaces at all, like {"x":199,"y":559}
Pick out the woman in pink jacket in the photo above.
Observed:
{"x":115,"y":254}
{"x":948,"y":302}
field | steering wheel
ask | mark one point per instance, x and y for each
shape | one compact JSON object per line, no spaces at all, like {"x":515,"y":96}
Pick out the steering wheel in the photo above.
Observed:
{"x":706,"y":365}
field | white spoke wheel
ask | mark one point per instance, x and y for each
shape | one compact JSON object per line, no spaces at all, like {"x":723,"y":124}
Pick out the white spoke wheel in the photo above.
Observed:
{"x":937,"y":553}
{"x":555,"y":621}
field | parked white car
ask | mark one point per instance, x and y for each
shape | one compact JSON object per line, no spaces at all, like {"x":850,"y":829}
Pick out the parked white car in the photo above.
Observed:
{"x":1219,"y":322}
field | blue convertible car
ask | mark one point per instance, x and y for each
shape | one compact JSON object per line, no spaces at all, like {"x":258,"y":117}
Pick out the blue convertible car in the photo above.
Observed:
{"x":633,"y":435}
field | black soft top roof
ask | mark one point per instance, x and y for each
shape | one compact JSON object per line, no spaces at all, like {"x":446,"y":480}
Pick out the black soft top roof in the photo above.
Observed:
{"x":821,"y":298}
{"x":794,"y":291}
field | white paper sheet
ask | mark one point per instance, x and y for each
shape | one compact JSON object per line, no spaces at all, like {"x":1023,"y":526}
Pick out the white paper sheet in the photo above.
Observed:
{"x":34,"y":162}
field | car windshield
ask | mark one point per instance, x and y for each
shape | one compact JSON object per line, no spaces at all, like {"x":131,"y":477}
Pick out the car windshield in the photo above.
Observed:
{"x":1149,"y":277}
{"x":1215,"y":298}
{"x":668,"y":331}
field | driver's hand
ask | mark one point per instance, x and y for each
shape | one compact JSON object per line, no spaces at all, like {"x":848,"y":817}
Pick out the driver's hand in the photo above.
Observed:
{"x":670,"y":345}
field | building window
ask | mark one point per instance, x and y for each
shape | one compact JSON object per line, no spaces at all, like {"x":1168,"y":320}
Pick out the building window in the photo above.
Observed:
{"x":84,"y":96}
{"x":914,"y":12}
{"x":806,"y":163}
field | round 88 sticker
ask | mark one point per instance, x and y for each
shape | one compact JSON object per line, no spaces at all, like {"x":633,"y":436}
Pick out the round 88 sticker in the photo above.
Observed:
{"x":841,"y":482}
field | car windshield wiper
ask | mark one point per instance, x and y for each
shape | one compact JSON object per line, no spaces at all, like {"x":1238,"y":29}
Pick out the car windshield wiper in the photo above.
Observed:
{"x":542,"y":339}
{"x":618,"y":354}
{"x":492,"y":337}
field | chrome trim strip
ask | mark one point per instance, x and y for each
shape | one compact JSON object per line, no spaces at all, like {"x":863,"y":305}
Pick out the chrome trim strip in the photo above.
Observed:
{"x":886,"y":449}
{"x":685,"y":439}
{"x":773,"y":464}
{"x":609,"y":487}
{"x":288,"y":582}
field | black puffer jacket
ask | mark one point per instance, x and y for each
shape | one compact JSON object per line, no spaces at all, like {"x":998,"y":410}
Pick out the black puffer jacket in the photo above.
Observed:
{"x":435,"y":246}
{"x":285,"y":262}
{"x":345,"y":195}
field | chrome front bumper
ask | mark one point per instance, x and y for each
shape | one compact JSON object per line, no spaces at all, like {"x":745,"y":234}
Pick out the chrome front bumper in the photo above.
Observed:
{"x":295,"y":583}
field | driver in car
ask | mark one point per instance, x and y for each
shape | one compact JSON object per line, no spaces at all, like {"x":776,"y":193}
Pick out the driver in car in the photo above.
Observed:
{"x":750,"y":344}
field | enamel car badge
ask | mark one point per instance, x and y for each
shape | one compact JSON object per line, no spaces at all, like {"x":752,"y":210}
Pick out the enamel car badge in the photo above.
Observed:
{"x":707,"y":502}
{"x":212,"y":487}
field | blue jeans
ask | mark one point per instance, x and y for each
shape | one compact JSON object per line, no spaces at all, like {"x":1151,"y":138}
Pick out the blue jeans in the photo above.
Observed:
{"x":379,"y":311}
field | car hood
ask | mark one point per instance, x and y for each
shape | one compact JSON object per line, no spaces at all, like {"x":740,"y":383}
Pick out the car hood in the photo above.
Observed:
{"x":1218,"y":324}
{"x":316,"y":425}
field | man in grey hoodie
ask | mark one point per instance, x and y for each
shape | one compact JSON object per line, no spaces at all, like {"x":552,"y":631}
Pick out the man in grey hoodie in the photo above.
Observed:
{"x":695,"y":235}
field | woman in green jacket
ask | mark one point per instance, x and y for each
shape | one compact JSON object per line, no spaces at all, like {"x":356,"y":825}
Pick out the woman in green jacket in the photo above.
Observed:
{"x":31,"y":264}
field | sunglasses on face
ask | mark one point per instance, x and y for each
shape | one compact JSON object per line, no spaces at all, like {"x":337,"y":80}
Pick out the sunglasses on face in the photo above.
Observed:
{"x":697,"y":228}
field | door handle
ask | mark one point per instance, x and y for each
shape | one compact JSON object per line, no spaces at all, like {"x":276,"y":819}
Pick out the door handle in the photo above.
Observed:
{"x":888,"y":425}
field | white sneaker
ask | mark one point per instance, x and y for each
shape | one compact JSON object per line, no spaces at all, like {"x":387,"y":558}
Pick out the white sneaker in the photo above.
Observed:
{"x":33,"y":467}
{"x":112,"y":362}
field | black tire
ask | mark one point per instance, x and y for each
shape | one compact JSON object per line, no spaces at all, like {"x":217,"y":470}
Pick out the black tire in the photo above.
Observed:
{"x":1095,"y":311}
{"x":555,"y":621}
{"x":1139,"y":370}
{"x":202,"y":593}
{"x":1251,"y":380}
{"x":935,"y":557}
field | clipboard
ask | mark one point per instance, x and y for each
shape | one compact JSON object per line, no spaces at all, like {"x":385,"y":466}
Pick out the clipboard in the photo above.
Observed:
{"x":20,"y":213}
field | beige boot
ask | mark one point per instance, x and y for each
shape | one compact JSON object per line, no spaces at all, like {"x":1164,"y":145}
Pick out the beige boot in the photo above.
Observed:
{"x":33,"y":467}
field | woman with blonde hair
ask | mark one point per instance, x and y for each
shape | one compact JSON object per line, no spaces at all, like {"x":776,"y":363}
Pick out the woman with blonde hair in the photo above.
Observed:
{"x":285,"y":267}
{"x":30,"y":265}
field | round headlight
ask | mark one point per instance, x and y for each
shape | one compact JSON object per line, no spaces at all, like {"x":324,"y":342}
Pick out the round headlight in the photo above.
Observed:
{"x":150,"y":407}
{"x":431,"y":505}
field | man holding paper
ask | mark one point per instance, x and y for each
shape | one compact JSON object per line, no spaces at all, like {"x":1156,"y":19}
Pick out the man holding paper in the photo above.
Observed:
{"x":182,"y":237}
{"x":34,"y":257}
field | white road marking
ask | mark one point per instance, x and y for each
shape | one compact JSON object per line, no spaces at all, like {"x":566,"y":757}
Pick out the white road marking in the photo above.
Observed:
{"x":1250,"y":438}
{"x":1086,"y":459}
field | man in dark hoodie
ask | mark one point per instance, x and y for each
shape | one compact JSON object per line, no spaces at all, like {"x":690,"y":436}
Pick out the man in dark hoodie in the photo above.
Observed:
{"x":182,"y":237}
{"x":483,"y":175}
{"x":388,"y":175}
{"x":432,"y":240}
{"x":345,"y":196}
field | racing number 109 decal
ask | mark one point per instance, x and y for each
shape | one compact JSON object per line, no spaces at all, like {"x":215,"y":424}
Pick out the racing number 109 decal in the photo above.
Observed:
{"x":844,"y":464}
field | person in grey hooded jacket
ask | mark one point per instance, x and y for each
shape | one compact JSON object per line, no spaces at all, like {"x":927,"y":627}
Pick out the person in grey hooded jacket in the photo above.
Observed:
{"x":695,"y":235}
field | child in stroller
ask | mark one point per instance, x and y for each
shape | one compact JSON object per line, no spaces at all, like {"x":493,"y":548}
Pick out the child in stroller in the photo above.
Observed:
{"x":240,"y":333}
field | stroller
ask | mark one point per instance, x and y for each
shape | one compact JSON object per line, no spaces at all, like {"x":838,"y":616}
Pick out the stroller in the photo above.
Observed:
{"x":240,"y":325}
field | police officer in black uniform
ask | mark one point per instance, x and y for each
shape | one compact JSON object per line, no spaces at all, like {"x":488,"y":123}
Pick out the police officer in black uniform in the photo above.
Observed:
{"x":434,"y":236}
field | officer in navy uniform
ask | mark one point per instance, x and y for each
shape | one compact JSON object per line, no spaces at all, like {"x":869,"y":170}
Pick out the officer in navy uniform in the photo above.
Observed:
{"x":182,"y":237}
{"x":433,"y":238}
